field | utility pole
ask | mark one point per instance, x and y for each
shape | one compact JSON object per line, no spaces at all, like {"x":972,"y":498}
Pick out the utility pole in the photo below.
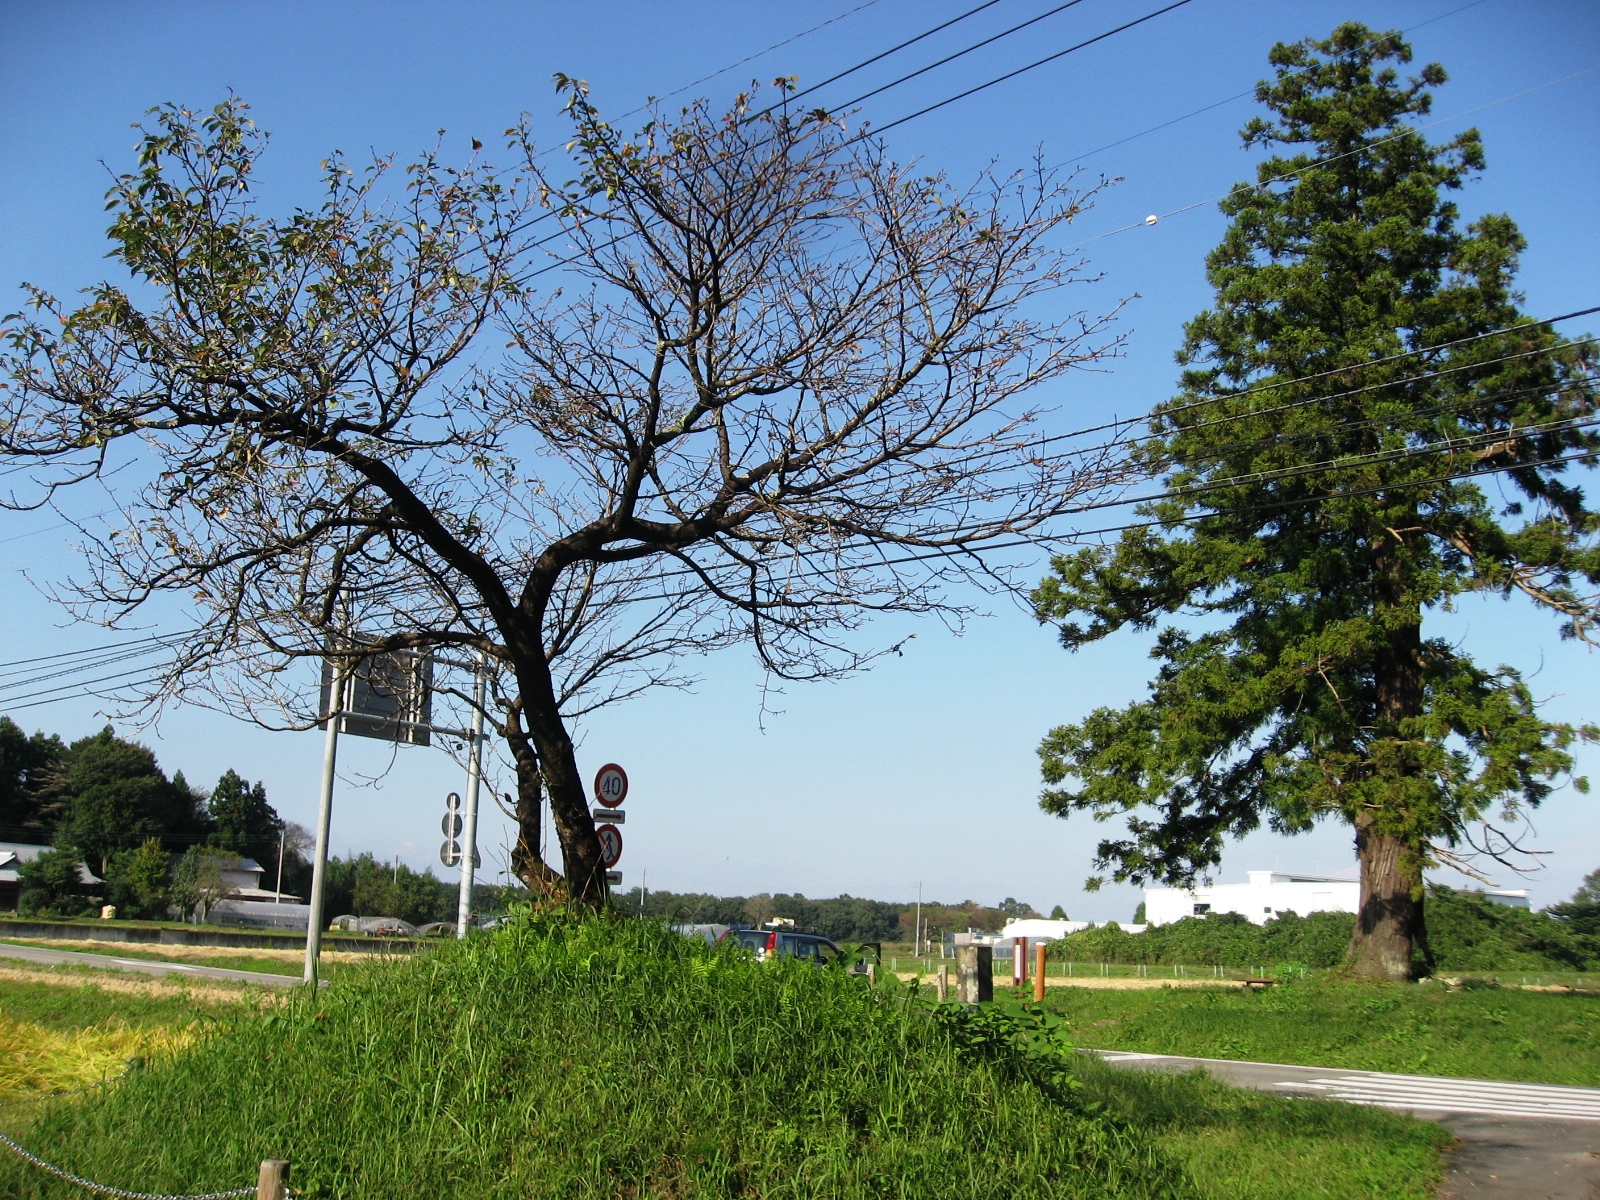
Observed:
{"x":916,"y":949}
{"x":319,"y":869}
{"x":469,"y":833}
{"x":277,"y":892}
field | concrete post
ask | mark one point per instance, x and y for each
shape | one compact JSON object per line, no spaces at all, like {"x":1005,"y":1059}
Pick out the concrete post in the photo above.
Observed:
{"x":974,"y":974}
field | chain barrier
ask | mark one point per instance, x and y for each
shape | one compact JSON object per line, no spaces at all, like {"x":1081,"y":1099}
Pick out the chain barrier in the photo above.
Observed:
{"x":122,"y":1193}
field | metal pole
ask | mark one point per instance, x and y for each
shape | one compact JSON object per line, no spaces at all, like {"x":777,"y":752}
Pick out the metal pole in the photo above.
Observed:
{"x":277,"y":892}
{"x":469,"y":833}
{"x":917,"y":949}
{"x":319,"y":868}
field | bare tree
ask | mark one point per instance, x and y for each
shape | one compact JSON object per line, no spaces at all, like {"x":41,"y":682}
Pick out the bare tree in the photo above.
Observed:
{"x":779,"y":385}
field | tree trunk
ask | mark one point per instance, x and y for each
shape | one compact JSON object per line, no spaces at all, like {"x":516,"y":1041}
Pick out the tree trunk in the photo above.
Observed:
{"x":1388,"y":843}
{"x":562,"y":786}
{"x":1389,"y":920}
{"x":527,"y":856}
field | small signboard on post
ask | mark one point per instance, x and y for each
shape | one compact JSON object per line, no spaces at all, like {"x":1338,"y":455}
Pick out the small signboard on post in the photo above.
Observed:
{"x":610,"y":845}
{"x":610,"y":790}
{"x":451,"y":826}
{"x":611,"y":785}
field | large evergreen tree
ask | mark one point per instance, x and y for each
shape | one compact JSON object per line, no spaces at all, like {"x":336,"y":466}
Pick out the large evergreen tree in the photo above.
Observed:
{"x":26,"y":765}
{"x":1326,"y":465}
{"x":242,"y":820}
{"x":117,"y":796}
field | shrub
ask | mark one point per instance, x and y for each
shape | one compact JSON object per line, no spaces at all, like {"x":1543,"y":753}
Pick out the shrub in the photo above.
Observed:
{"x":50,"y":886}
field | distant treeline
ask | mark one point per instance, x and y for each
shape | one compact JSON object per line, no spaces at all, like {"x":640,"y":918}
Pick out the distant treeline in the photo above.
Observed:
{"x":842,"y":918}
{"x":1466,"y":931}
{"x":157,"y":843}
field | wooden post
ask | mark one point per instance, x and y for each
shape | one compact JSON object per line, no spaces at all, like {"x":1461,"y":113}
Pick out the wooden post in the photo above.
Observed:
{"x":872,"y":974}
{"x":941,"y":989}
{"x":974,"y":974}
{"x":273,"y":1183}
{"x":1038,"y":972}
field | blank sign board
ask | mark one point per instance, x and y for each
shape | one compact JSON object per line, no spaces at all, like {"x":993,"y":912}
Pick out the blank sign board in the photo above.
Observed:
{"x":390,"y":697}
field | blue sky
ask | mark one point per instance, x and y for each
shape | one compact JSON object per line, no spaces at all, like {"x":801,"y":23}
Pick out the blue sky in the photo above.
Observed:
{"x":923,"y":770}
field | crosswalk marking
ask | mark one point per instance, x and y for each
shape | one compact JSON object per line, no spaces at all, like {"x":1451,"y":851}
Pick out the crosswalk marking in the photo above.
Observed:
{"x":1457,"y":1095}
{"x":1541,"y":1101}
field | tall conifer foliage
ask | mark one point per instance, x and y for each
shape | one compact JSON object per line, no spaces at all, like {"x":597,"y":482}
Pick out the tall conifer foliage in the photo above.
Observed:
{"x":1326,"y":460}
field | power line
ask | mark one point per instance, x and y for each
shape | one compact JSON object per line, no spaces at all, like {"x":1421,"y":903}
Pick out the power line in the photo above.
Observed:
{"x":22,"y":662}
{"x":1148,"y":222}
{"x":1250,"y":91}
{"x":849,"y":12}
{"x":874,"y":132}
{"x":1229,"y":450}
{"x":790,"y":98}
{"x":1265,"y":506}
{"x":1326,"y":467}
{"x":867,"y":62}
{"x":952,"y":553}
{"x":1344,"y":370}
{"x":77,"y":662}
{"x":1050,"y":58}
{"x":962,"y":53}
{"x":1465,"y":404}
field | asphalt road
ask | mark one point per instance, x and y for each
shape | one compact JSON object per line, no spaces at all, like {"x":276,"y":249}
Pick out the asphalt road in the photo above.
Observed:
{"x":1518,"y":1141}
{"x":143,"y":966}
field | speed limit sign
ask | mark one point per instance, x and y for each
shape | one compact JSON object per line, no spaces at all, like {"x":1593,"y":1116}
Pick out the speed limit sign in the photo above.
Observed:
{"x":611,"y":785}
{"x":610,"y":844}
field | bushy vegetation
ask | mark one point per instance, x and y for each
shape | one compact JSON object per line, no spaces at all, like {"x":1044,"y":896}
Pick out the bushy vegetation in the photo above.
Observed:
{"x":1466,"y":932}
{"x":843,"y":918}
{"x":1225,"y":939}
{"x":614,"y":1058}
{"x":1427,"y":1029}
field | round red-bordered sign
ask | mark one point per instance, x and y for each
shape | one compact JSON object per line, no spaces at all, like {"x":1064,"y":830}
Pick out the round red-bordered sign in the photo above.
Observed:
{"x":610,"y":785}
{"x":610,"y":845}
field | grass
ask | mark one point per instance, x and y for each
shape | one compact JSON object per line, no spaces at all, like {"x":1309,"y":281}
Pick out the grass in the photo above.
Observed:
{"x":56,"y":1039}
{"x":588,"y":1059}
{"x":1424,"y":1029}
{"x":1240,"y":1144}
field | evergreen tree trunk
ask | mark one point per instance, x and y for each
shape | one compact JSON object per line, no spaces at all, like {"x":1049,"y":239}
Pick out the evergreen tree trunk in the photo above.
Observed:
{"x":1390,"y":917}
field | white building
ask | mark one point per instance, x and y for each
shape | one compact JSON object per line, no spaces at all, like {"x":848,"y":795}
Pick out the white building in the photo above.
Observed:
{"x":1266,"y":895}
{"x":1270,"y":893}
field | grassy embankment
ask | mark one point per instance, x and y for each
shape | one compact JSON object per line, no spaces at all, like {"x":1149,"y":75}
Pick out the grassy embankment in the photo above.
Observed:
{"x":1424,"y":1029}
{"x":588,"y":1060}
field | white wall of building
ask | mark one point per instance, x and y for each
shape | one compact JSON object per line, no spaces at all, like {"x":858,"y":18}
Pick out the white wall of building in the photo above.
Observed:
{"x":1270,"y":893}
{"x":1266,"y":895}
